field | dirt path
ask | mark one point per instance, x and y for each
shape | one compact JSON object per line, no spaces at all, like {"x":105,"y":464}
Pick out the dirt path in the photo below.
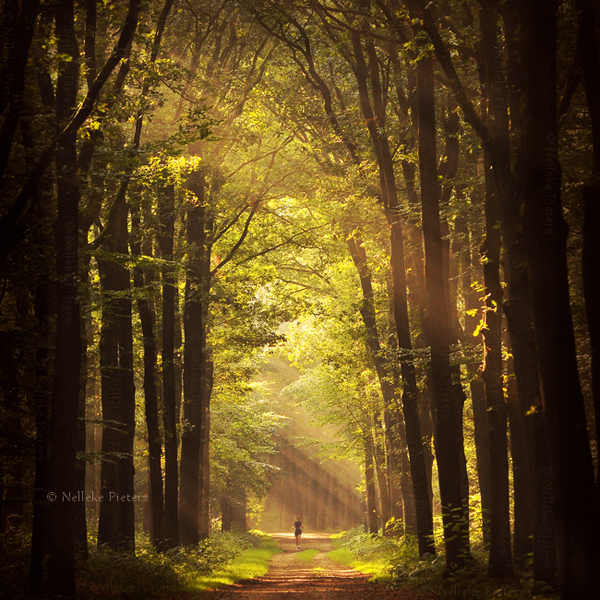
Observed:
{"x":319,"y":578}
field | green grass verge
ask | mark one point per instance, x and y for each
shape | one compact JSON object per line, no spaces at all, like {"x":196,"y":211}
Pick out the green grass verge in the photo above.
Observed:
{"x":307,"y":555}
{"x":249,"y":564}
{"x":375,"y":565}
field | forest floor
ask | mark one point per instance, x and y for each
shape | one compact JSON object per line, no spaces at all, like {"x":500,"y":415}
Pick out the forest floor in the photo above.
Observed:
{"x":317,"y":578}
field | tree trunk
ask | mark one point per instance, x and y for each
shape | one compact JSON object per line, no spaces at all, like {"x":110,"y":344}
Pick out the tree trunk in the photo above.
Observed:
{"x":206,"y":390}
{"x":142,"y":281}
{"x":390,"y":199}
{"x":61,"y":576}
{"x":381,"y":472}
{"x":166,"y":212}
{"x":573,"y":487}
{"x":588,"y":47}
{"x":448,"y":438}
{"x":16,"y":44}
{"x":195,"y":367}
{"x":477,"y":387}
{"x":372,"y":517}
{"x":522,"y":485}
{"x":367,"y":311}
{"x":116,"y":522}
{"x":41,"y":515}
{"x":495,"y":102}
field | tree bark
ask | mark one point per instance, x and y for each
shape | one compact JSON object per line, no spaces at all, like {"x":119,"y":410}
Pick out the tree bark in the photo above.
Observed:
{"x":116,"y":520}
{"x":16,"y":44}
{"x":147,"y":319}
{"x":448,"y":437}
{"x":61,"y":576}
{"x":195,"y":366}
{"x":390,"y":199}
{"x":43,"y":393}
{"x":367,"y":311}
{"x":590,"y":64}
{"x":166,"y":212}
{"x":372,"y":523}
{"x":573,"y":488}
{"x":495,"y":101}
{"x":522,"y":485}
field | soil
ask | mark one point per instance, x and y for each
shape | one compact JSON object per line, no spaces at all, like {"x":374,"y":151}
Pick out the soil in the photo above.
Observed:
{"x":320,"y":578}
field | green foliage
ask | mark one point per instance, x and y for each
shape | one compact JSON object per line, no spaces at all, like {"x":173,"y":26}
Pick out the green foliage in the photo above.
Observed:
{"x":369,"y":554}
{"x":248,"y":564}
{"x":110,"y":574}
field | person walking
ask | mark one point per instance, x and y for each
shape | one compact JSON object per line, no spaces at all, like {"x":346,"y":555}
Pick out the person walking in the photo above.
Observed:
{"x":298,"y":531}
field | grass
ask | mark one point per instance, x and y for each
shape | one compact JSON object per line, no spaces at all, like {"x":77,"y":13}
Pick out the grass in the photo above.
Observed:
{"x":376,"y":563}
{"x":307,"y":555}
{"x":249,"y":564}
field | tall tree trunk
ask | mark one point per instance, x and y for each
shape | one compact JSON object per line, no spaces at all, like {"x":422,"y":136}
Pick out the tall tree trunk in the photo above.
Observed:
{"x":522,"y":485}
{"x":390,"y":198}
{"x":195,"y":366}
{"x":448,"y":438}
{"x":81,"y":539}
{"x":590,"y":63}
{"x":518,"y":305}
{"x":573,"y":492}
{"x":41,"y":516}
{"x":381,"y":472}
{"x":206,"y":390}
{"x":462,"y":249}
{"x":116,"y":521}
{"x":16,"y":44}
{"x":61,"y":577}
{"x":146,"y":311}
{"x":372,"y":523}
{"x":500,"y":557}
{"x":166,"y":212}
{"x":367,"y":311}
{"x":448,"y":170}
{"x":495,"y":103}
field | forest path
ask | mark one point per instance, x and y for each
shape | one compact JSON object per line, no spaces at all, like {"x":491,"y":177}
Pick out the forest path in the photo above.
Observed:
{"x":319,"y":578}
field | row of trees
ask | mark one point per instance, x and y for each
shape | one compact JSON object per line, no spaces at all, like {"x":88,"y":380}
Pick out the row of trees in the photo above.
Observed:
{"x":419,"y":178}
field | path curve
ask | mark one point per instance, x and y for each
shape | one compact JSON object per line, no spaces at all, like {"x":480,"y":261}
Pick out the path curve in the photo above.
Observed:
{"x":320,"y":578}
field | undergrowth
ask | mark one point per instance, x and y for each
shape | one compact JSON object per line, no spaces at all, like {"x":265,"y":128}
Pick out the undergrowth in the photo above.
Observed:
{"x":151,"y":574}
{"x":395,"y":561}
{"x":146,"y":574}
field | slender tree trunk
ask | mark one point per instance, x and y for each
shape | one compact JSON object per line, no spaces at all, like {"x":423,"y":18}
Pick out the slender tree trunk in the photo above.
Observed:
{"x":367,"y":310}
{"x":448,"y":439}
{"x":195,"y":368}
{"x":588,"y":44}
{"x":372,"y":523}
{"x":81,"y":540}
{"x":500,"y":558}
{"x":41,"y":521}
{"x":61,"y":577}
{"x":116,"y":522}
{"x":166,"y":211}
{"x":400,"y":461}
{"x":146,"y":311}
{"x":390,"y":198}
{"x":573,"y":488}
{"x":206,"y":390}
{"x":16,"y":43}
{"x":381,"y":472}
{"x":495,"y":101}
{"x":522,"y":485}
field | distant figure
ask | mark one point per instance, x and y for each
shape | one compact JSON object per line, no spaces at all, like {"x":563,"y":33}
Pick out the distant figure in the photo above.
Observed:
{"x":298,"y":531}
